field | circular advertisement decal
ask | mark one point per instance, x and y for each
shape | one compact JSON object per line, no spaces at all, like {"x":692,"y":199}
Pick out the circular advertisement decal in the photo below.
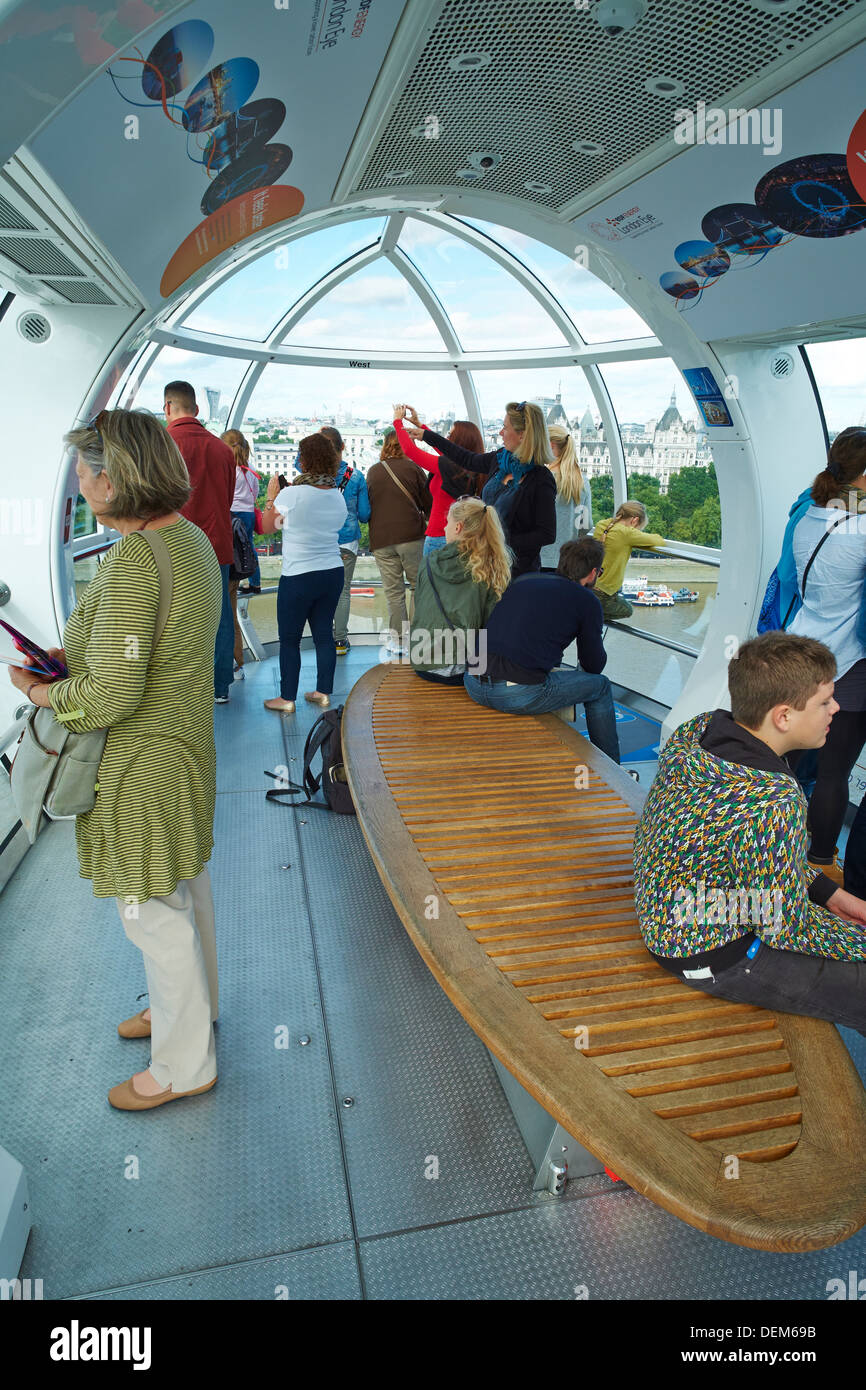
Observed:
{"x":220,"y":93}
{"x":741,"y":229}
{"x":702,"y":258}
{"x":812,"y":196}
{"x":240,"y":218}
{"x":255,"y":124}
{"x":261,"y":165}
{"x":857,"y":156}
{"x":678,"y":285}
{"x":175,"y":59}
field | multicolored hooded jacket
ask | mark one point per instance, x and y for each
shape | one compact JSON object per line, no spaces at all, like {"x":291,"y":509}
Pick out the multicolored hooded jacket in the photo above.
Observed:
{"x":720,"y":851}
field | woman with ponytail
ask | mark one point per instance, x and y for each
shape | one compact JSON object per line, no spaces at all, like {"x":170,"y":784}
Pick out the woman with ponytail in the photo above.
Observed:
{"x":246,"y":496}
{"x":459,"y":585}
{"x":573,"y":495}
{"x":620,"y":535}
{"x":828,"y":540}
{"x":520,"y":484}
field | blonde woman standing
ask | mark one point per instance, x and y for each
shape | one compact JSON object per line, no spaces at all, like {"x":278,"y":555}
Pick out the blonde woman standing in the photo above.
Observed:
{"x":148,"y":838}
{"x":573,"y":495}
{"x":620,"y":535}
{"x":459,"y":585}
{"x":520,"y":484}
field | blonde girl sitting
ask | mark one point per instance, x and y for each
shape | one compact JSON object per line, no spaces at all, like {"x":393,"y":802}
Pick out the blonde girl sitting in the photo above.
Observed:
{"x":458,"y":587}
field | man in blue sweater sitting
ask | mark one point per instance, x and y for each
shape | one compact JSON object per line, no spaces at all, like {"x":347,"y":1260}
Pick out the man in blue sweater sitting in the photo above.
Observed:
{"x":538,"y":616}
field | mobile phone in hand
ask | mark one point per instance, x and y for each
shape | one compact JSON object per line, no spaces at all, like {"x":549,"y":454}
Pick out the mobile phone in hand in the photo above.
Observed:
{"x":49,"y":664}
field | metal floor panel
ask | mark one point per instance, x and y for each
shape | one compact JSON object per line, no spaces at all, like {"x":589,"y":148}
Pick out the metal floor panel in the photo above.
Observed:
{"x":422,"y":1082}
{"x":328,"y":1272}
{"x":615,"y":1247}
{"x":255,"y":1168}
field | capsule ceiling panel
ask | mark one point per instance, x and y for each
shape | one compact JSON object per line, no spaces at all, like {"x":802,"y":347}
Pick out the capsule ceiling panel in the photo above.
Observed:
{"x":228,"y":121}
{"x":501,"y":92}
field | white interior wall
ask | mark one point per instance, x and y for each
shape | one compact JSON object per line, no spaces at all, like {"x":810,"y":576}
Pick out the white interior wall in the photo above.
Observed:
{"x":45,"y":388}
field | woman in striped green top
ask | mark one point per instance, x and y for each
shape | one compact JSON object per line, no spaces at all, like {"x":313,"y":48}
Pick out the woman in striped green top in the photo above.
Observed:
{"x":150,"y":834}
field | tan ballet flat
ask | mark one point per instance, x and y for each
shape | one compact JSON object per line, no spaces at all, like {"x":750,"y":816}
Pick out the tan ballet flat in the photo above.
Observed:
{"x":281,"y":706}
{"x":136,"y":1027}
{"x":323,"y":701}
{"x":126,"y":1097}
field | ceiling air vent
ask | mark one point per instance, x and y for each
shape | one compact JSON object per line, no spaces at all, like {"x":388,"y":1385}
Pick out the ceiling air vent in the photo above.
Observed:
{"x":781,"y":366}
{"x":13,"y":220}
{"x":35,"y":328}
{"x":38,"y":257}
{"x":79,"y":291}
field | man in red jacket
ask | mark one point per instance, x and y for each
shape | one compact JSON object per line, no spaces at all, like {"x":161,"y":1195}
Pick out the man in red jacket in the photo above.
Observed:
{"x":211,"y":468}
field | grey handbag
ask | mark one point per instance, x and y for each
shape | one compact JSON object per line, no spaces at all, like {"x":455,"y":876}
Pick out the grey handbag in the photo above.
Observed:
{"x":56,"y":769}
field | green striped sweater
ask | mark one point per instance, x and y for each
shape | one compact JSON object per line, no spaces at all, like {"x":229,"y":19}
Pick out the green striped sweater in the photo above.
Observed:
{"x":153,"y":819}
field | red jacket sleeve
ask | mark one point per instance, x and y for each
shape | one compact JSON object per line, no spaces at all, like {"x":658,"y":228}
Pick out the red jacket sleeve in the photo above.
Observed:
{"x":423,"y":457}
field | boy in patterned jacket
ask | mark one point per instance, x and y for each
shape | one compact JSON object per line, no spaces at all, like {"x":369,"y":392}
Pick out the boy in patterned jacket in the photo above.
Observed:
{"x":725,"y":896}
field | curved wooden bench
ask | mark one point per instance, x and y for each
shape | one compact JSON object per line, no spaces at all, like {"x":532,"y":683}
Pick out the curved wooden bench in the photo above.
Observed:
{"x":537,"y":944}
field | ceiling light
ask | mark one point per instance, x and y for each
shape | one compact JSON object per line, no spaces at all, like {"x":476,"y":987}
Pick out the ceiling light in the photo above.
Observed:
{"x":587,"y":147}
{"x":469,"y":174}
{"x":532,"y":186}
{"x":469,"y":62}
{"x":399,"y":173}
{"x":664,"y":86}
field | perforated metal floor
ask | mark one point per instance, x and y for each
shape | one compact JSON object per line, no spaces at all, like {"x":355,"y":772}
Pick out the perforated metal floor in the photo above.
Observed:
{"x":271,"y":1186}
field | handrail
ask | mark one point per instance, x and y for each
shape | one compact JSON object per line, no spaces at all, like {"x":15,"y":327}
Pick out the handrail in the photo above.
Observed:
{"x":653,"y":637}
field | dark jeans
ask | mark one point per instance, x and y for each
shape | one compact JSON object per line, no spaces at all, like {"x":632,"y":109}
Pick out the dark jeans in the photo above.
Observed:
{"x":855,"y":854}
{"x":795,"y":984}
{"x":313,"y":598}
{"x":829,"y":800}
{"x":224,"y":651}
{"x":249,"y":520}
{"x":560,"y":688}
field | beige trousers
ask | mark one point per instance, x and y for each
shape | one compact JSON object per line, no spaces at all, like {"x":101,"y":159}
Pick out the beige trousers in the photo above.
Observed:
{"x":393,"y":562}
{"x":175,"y":934}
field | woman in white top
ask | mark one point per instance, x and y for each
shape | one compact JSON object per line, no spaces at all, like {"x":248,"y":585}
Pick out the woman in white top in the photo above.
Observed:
{"x":311,"y":513}
{"x":831,"y":609}
{"x":573,"y":496}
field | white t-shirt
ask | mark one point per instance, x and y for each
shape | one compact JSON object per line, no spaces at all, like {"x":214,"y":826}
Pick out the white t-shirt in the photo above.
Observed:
{"x":312,"y":520}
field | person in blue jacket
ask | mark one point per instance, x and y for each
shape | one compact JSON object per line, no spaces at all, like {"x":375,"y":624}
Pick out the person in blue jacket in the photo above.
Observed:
{"x":353,"y":486}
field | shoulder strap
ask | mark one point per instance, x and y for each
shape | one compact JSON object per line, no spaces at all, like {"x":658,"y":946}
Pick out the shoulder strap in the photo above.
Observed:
{"x":401,"y":487}
{"x":436,"y":594}
{"x":346,"y":476}
{"x":166,"y":580}
{"x":837,"y":522}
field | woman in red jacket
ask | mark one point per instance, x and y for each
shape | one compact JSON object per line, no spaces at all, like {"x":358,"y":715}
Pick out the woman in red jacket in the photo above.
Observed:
{"x":447,"y":481}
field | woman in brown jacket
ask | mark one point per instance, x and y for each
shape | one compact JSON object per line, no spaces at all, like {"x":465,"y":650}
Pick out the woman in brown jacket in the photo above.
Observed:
{"x":400,"y":505}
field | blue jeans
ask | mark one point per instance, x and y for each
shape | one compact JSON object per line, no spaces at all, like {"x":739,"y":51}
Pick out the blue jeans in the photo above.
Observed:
{"x":313,"y":598}
{"x":560,"y":688}
{"x":433,"y":543}
{"x":249,"y":520}
{"x":224,"y":652}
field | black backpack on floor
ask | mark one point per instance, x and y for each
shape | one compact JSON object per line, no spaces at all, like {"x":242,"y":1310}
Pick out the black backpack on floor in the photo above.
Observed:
{"x":325,"y":735}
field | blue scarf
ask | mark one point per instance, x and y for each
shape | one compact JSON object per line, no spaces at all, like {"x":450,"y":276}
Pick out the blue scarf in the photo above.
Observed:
{"x":509,"y":463}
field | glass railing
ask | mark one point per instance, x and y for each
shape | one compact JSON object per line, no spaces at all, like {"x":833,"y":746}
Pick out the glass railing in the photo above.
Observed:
{"x":671,"y":596}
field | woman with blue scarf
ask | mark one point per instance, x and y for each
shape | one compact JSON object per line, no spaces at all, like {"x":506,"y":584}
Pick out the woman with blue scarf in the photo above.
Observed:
{"x":520,"y":484}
